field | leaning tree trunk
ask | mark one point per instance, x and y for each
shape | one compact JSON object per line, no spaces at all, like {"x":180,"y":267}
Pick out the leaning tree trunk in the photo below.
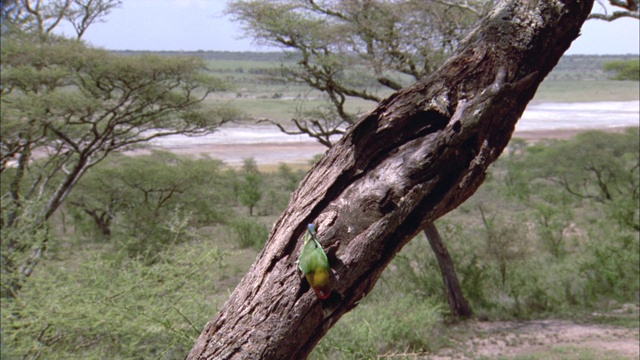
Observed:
{"x":419,"y":154}
{"x":457,"y":303}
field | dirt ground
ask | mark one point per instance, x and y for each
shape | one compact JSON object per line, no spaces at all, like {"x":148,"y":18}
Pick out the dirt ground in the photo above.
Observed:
{"x":544,"y":339}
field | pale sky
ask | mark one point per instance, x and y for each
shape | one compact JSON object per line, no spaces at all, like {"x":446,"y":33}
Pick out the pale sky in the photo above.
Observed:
{"x":191,"y":25}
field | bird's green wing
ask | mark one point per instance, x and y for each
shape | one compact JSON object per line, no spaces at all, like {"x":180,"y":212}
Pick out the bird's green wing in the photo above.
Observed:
{"x":312,"y":257}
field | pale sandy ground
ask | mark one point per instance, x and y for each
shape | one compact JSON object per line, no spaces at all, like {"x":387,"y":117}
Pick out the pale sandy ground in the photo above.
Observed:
{"x":263,"y":153}
{"x":301,"y":152}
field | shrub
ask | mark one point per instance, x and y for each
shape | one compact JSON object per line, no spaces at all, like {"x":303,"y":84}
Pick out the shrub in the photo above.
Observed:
{"x":150,"y":238}
{"x":20,"y":244}
{"x":107,"y":305}
{"x":383,"y":324}
{"x":612,"y":267}
{"x":624,"y":69}
{"x":249,"y":233}
{"x":144,"y":203}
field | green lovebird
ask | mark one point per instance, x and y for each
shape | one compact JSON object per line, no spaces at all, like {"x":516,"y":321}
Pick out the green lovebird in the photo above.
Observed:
{"x":314,"y":264}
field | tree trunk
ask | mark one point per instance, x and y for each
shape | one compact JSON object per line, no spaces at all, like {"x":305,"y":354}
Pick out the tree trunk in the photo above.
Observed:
{"x":102,"y":220}
{"x":457,"y":303}
{"x":416,"y":156}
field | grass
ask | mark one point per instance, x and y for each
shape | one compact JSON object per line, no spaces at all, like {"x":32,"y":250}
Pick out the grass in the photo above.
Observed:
{"x":368,"y":331}
{"x":285,"y":108}
{"x":272,"y":168}
{"x":262,"y":105}
{"x":220,"y":66}
{"x":588,"y":91}
{"x":629,"y":320}
{"x":260,"y":97}
{"x":389,"y":323}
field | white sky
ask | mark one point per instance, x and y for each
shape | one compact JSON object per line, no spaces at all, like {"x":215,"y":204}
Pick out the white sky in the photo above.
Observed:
{"x":201,"y":25}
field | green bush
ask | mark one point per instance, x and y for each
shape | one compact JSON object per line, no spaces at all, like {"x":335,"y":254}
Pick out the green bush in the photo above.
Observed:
{"x":106,"y":305}
{"x":152,"y":238}
{"x":383,"y":324}
{"x":624,"y":69}
{"x":415,"y":270}
{"x":612,"y":267}
{"x":145,"y":203}
{"x":249,"y":233}
{"x":539,"y":286}
{"x":19,"y":243}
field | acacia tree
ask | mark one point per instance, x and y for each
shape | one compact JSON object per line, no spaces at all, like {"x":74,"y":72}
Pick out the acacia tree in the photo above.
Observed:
{"x":66,"y":106}
{"x":361,"y":50}
{"x":596,"y":166}
{"x":355,"y":49}
{"x":43,"y":16}
{"x":139,"y":195}
{"x":416,"y":156}
{"x":627,"y":8}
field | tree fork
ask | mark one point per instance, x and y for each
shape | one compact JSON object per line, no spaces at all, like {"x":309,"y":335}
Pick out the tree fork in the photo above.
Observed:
{"x":416,"y":156}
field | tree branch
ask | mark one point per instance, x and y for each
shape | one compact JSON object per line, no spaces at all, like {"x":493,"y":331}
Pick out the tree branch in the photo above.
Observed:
{"x":631,"y":7}
{"x":615,"y":15}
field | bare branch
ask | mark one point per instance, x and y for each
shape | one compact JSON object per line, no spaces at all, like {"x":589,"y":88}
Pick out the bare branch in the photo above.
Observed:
{"x":615,"y":15}
{"x":87,"y":12}
{"x":631,"y":6}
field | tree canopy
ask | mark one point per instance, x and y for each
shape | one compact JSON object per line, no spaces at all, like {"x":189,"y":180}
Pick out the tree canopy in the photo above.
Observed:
{"x":65,"y":106}
{"x":355,"y":49}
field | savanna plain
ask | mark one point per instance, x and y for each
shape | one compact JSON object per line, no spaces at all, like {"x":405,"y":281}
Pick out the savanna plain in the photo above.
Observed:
{"x":152,"y":242}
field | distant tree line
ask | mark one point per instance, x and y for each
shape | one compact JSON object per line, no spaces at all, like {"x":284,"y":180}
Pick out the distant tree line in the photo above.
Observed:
{"x":270,"y":56}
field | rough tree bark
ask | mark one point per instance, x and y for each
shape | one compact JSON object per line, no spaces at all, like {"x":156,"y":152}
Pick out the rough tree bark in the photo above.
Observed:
{"x":419,"y":154}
